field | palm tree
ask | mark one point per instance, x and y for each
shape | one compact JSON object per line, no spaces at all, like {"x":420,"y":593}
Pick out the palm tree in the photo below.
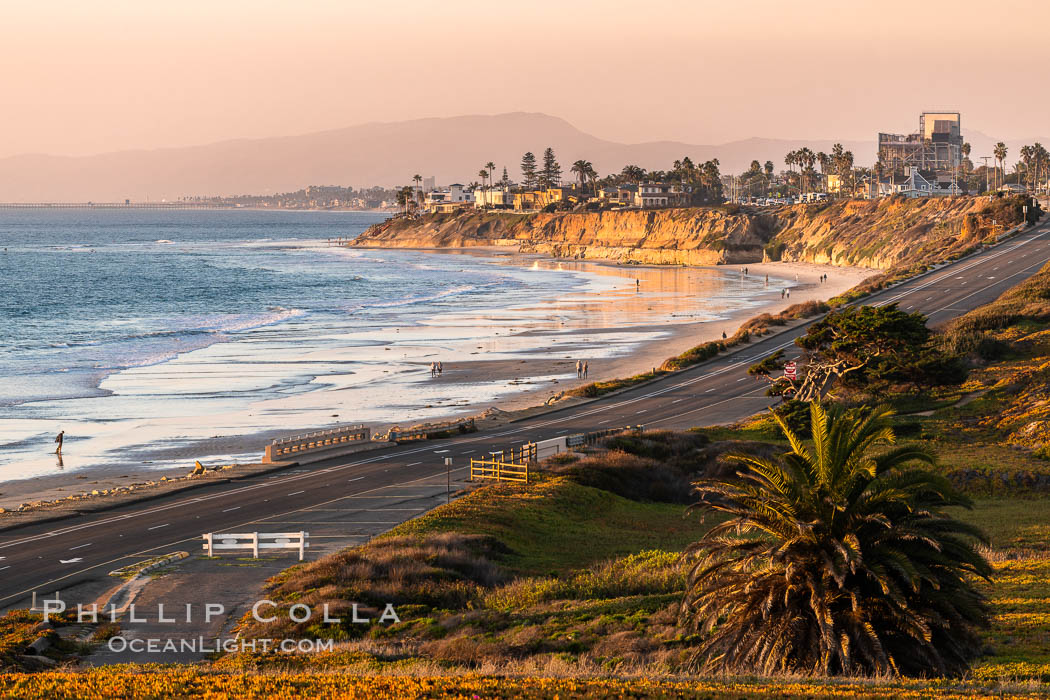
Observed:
{"x":1000,"y":152}
{"x":417,"y":178}
{"x":491,"y":167}
{"x":582,"y":169}
{"x":836,"y":558}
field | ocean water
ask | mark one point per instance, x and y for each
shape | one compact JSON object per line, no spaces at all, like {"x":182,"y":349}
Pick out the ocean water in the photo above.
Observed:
{"x":142,"y":331}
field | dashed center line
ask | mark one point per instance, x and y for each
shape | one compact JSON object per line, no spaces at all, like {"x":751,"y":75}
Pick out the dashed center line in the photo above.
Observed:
{"x":407,"y":465}
{"x":229,"y":509}
{"x":678,"y":400}
{"x":157,"y":527}
{"x":358,"y":478}
{"x":296,"y":493}
{"x":80,"y":546}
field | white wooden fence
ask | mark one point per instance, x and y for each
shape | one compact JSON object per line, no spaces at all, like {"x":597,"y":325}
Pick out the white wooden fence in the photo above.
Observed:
{"x":256,"y":541}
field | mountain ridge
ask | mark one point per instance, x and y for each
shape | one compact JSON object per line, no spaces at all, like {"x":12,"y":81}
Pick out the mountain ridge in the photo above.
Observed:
{"x":375,"y":153}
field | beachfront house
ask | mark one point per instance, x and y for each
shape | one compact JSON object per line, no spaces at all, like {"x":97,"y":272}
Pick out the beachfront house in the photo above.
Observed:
{"x":447,"y":199}
{"x":651,"y":195}
{"x":618,"y":195}
{"x":493,"y":198}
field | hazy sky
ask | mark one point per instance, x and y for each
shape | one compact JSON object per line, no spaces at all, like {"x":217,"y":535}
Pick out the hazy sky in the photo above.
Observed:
{"x":85,"y":76}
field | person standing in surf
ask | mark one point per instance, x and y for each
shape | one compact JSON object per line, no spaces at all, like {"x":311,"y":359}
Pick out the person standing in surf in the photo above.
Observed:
{"x":58,"y":439}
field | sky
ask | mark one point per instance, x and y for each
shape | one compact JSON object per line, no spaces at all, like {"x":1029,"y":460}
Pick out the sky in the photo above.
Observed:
{"x":89,"y":77}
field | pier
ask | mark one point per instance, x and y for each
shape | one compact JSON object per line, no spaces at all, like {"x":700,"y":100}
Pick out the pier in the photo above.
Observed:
{"x":115,"y":205}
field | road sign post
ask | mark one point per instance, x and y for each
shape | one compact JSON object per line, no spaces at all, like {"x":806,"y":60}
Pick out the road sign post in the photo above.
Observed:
{"x":448,"y":479}
{"x":790,"y":371}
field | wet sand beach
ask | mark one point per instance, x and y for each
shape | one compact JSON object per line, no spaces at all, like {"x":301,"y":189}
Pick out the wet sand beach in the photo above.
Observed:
{"x":628,"y":321}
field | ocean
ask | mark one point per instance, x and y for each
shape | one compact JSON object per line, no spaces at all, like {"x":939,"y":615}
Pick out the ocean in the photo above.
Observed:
{"x":143,"y":332}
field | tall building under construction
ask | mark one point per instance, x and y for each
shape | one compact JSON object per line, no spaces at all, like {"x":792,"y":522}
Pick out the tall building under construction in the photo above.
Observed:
{"x":936,"y":146}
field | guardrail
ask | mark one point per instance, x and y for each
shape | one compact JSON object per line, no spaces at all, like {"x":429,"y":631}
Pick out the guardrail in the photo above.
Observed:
{"x":580,"y":439}
{"x":256,"y":541}
{"x":311,"y":447}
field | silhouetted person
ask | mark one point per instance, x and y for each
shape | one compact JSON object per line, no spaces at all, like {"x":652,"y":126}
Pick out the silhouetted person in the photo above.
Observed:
{"x":58,"y":439}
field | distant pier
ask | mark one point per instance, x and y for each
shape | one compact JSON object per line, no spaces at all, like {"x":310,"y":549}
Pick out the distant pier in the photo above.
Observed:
{"x":114,"y":205}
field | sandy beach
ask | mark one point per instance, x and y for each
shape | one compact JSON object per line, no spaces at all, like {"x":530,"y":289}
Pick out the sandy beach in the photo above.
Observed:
{"x":519,"y":367}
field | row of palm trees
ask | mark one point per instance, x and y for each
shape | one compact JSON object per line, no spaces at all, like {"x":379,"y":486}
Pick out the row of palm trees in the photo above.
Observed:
{"x":840,"y":162}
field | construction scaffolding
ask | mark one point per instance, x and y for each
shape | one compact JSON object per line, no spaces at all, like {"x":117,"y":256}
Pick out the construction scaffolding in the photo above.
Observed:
{"x":936,"y":146}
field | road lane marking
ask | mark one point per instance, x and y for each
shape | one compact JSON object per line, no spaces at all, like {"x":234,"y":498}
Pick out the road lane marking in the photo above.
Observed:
{"x":678,"y":400}
{"x":4,"y":567}
{"x":358,"y":478}
{"x":641,"y":411}
{"x":74,"y":560}
{"x":157,"y":527}
{"x":229,"y":509}
{"x":412,"y":464}
{"x":80,"y":546}
{"x":296,"y":493}
{"x":437,"y":452}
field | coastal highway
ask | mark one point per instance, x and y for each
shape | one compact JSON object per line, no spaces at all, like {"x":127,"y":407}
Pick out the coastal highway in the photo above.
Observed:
{"x":342,"y":495}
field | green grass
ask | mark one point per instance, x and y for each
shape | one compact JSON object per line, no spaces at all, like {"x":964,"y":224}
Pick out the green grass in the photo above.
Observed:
{"x":558,"y":525}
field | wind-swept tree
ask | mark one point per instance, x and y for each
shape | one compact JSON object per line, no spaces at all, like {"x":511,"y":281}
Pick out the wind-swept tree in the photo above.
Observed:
{"x":528,"y":170}
{"x":838,"y":557}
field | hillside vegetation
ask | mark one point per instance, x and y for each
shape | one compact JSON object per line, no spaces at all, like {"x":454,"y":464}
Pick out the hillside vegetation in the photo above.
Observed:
{"x":879,"y":233}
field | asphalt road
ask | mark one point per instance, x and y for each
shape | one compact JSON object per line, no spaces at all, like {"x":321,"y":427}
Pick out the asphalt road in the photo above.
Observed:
{"x":349,"y":496}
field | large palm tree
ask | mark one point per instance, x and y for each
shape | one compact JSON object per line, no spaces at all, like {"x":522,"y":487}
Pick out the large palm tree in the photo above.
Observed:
{"x":581,"y":169}
{"x":491,"y":167}
{"x":1000,"y":155}
{"x":836,"y":558}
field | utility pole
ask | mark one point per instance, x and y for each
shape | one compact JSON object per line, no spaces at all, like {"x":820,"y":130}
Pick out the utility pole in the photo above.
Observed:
{"x":985,"y":159}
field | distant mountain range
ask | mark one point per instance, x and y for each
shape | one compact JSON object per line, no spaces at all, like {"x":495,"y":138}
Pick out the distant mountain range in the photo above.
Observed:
{"x":451,"y":149}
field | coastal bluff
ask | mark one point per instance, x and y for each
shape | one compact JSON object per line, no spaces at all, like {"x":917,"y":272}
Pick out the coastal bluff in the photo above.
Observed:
{"x":878,"y":234}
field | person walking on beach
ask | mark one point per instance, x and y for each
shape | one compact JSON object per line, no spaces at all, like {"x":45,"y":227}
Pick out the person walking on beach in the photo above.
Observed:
{"x":638,"y":284}
{"x":58,"y":439}
{"x":745,"y":272}
{"x":440,"y":367}
{"x":724,"y":336}
{"x":782,"y":293}
{"x":585,"y":367}
{"x":579,"y":369}
{"x":787,"y":293}
{"x":433,"y":369}
{"x":767,"y":280}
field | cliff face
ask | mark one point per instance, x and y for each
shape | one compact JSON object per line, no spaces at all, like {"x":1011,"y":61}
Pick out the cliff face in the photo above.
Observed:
{"x":879,"y":234}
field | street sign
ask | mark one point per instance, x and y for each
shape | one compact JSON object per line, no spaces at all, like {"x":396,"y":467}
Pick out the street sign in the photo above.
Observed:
{"x":789,"y":370}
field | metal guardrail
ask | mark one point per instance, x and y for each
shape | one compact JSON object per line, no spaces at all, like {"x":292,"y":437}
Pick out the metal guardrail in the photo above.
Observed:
{"x":256,"y":541}
{"x":291,"y":447}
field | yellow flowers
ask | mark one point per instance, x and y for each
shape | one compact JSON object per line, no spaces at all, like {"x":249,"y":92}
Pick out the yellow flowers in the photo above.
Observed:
{"x":161,"y":682}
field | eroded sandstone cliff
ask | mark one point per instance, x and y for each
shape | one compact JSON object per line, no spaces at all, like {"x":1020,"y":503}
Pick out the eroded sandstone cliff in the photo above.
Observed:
{"x":879,"y":234}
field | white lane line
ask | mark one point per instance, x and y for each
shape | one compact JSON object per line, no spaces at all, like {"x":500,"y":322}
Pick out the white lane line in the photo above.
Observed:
{"x":80,"y":546}
{"x":296,"y":493}
{"x":678,"y":400}
{"x":709,"y":390}
{"x":603,"y":422}
{"x":229,"y":509}
{"x":408,"y":465}
{"x":4,"y":567}
{"x":157,"y":527}
{"x":741,"y":379}
{"x":437,"y":452}
{"x":641,"y":411}
{"x":358,"y":478}
{"x":470,"y":452}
